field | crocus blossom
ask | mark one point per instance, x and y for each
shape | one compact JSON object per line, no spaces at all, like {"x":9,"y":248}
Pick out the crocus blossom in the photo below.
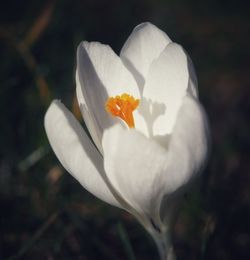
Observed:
{"x":149,"y":132}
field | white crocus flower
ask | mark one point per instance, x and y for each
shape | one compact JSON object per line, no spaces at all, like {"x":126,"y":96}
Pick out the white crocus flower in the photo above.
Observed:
{"x":149,"y":131}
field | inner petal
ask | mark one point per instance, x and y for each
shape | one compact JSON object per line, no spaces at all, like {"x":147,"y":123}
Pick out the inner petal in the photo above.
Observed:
{"x":166,"y":85}
{"x":123,"y":106}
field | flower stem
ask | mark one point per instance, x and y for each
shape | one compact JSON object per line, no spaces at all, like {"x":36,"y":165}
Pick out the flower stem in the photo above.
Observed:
{"x":165,"y":248}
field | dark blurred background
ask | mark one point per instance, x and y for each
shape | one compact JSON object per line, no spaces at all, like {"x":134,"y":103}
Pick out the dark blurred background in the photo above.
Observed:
{"x":45,"y":213}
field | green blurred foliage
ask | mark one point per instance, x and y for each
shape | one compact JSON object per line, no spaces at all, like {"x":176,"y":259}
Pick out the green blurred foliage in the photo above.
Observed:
{"x":45,"y":213}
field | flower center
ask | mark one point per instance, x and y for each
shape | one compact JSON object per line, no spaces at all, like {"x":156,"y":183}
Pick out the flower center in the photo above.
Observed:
{"x":123,"y":107}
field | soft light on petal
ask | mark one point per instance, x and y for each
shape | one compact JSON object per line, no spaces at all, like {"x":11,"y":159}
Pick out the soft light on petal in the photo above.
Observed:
{"x":188,"y":149}
{"x":188,"y":146}
{"x":166,"y":85}
{"x":145,"y":44}
{"x":132,"y":163}
{"x":76,"y":152}
{"x":100,"y":75}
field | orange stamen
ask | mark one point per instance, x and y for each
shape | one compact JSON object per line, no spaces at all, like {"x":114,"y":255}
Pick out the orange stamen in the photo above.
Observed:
{"x":123,"y":107}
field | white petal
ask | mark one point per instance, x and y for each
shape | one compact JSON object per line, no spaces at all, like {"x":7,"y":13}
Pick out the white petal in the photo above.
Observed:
{"x":188,"y":146}
{"x":100,"y":75}
{"x":76,"y":152}
{"x":187,"y":153}
{"x":145,"y":44}
{"x":166,"y":85}
{"x":89,"y":120}
{"x":132,"y":163}
{"x":143,"y":172}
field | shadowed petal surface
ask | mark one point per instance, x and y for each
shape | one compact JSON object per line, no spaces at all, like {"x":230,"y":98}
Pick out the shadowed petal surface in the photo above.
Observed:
{"x":100,"y":75}
{"x":76,"y":152}
{"x":166,"y":85}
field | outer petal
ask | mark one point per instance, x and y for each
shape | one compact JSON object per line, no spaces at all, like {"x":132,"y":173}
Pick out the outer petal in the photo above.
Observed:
{"x":188,"y":152}
{"x":144,"y":172}
{"x":143,"y":46}
{"x":193,"y":82}
{"x":89,"y":119}
{"x":76,"y":152}
{"x":132,"y":162}
{"x":100,"y":74}
{"x":166,"y":85}
{"x":188,"y":145}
